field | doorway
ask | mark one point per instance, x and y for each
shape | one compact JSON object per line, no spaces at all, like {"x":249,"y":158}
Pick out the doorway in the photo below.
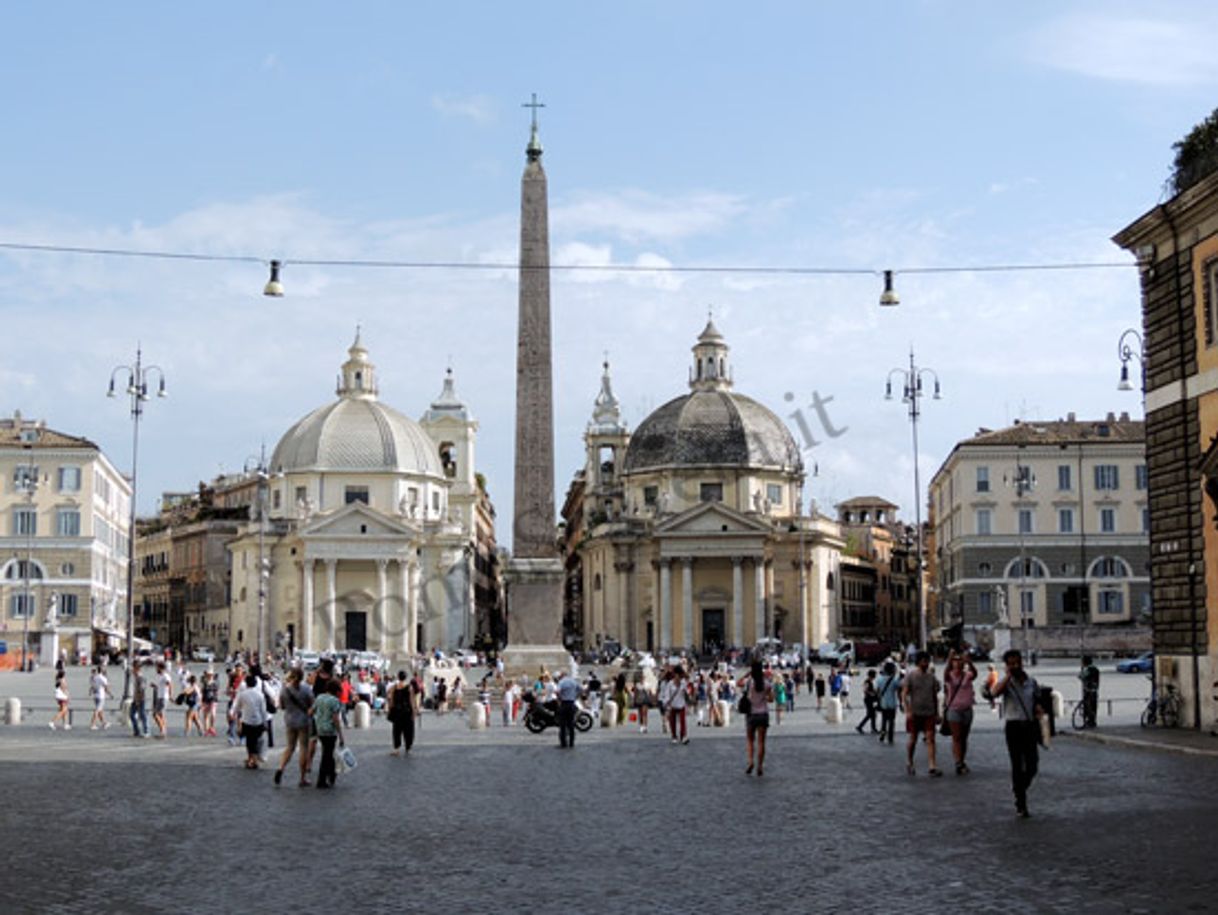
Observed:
{"x":712,"y":630}
{"x":357,"y":630}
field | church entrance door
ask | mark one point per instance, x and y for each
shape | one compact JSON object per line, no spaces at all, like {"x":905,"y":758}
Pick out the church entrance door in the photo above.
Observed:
{"x":357,"y":630}
{"x":712,"y":630}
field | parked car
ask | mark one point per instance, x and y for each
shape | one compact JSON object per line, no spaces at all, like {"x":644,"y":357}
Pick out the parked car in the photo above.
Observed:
{"x":203,"y":654}
{"x":1142,"y":664}
{"x":309,"y":660}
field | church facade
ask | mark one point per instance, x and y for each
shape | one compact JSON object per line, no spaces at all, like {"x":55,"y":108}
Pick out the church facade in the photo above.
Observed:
{"x":689,"y":533}
{"x":372,"y":528}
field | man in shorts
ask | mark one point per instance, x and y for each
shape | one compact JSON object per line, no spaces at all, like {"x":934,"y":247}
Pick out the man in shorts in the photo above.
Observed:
{"x":99,"y":686}
{"x":162,"y":684}
{"x":920,"y":699}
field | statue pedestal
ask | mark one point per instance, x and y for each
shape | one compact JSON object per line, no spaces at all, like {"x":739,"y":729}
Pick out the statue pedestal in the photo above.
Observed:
{"x":49,"y":653}
{"x":1002,"y":641}
{"x":535,"y":618}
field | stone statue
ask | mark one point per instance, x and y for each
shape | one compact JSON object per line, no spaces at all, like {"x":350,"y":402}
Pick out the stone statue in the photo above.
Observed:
{"x":757,"y":506}
{"x":304,"y":508}
{"x":1004,"y":617}
{"x":52,"y":621}
{"x":664,"y":498}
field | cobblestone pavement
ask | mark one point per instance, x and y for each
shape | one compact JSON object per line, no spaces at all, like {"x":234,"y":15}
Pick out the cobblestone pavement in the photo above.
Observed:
{"x":503,"y":821}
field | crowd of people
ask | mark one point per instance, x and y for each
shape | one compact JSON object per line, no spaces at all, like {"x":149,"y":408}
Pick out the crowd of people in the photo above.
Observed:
{"x":315,"y":707}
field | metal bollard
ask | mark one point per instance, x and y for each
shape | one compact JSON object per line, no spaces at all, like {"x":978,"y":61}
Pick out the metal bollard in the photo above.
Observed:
{"x":609,"y":714}
{"x":476,"y":716}
{"x":725,"y":713}
{"x":833,"y":710}
{"x":12,"y":710}
{"x":363,"y":715}
{"x":1059,"y":705}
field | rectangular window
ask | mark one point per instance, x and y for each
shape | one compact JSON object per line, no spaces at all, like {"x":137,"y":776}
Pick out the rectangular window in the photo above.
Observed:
{"x":1108,"y":520}
{"x":984,"y":519}
{"x":1107,"y":477}
{"x":67,"y":522}
{"x":68,"y":605}
{"x":1027,"y":604}
{"x":25,"y":478}
{"x":1112,"y":602}
{"x":773,"y":492}
{"x":1063,"y":477}
{"x":21,"y":606}
{"x":356,"y":494}
{"x":69,"y":479}
{"x":985,"y":604}
{"x":25,"y":522}
{"x":435,"y":501}
{"x":276,"y":499}
{"x":302,"y":493}
{"x":1025,"y":521}
{"x":651,"y":495}
{"x":1139,"y":476}
{"x":711,"y":492}
{"x":1065,"y":521}
{"x":983,"y":479}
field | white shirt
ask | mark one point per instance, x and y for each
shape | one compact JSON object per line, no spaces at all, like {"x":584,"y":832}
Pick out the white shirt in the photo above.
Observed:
{"x":676,"y":694}
{"x":251,"y":706}
{"x":100,"y":685}
{"x":164,"y":684}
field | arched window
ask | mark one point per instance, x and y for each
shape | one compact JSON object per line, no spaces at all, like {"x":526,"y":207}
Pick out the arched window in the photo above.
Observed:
{"x":1109,"y":567}
{"x":16,"y":570}
{"x":1032,"y":568}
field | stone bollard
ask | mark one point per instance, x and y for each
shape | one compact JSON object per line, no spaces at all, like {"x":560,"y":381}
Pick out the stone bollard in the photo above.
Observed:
{"x":609,"y":714}
{"x":476,"y":716}
{"x":833,"y":710}
{"x":363,"y":715}
{"x":725,"y":713}
{"x":12,"y":710}
{"x":1059,"y":705}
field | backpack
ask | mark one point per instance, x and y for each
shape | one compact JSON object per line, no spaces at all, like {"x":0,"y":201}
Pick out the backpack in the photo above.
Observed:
{"x":271,"y":705}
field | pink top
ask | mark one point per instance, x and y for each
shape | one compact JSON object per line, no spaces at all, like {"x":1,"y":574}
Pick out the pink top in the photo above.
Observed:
{"x":958,"y":689}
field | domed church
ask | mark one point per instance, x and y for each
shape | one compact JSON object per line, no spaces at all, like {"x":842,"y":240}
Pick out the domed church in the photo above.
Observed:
{"x":690,"y":533}
{"x":374,"y":525}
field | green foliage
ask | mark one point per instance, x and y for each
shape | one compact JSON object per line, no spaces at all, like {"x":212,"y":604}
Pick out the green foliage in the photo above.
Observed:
{"x":1196,"y":154}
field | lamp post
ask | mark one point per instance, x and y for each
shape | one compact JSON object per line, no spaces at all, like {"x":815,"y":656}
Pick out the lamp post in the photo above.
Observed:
{"x":28,"y":480}
{"x":258,"y":467}
{"x":911,"y":382}
{"x":1126,"y":351}
{"x":137,"y":390}
{"x":1023,"y":482}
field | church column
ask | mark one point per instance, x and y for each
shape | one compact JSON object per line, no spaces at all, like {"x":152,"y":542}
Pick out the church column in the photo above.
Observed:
{"x":382,"y":614}
{"x":737,"y":602}
{"x":687,"y":602}
{"x":412,"y":608}
{"x":664,"y":629}
{"x":769,"y":597}
{"x":331,"y":604}
{"x":758,"y":599}
{"x":404,"y":632}
{"x":805,"y":600}
{"x":306,"y":604}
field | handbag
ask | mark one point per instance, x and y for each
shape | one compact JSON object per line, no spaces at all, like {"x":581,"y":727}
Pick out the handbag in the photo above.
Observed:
{"x":745,"y":705}
{"x":945,"y":728}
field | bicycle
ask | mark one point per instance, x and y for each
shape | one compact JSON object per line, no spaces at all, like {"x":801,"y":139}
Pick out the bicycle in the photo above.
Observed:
{"x":1164,"y":710}
{"x":1090,"y":702}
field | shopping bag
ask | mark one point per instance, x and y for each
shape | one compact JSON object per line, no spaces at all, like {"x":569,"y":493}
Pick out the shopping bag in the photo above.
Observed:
{"x":346,"y":759}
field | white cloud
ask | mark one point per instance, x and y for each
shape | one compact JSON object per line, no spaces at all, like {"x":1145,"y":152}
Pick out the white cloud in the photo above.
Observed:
{"x":1150,"y":51}
{"x":637,"y":216}
{"x":477,"y":108}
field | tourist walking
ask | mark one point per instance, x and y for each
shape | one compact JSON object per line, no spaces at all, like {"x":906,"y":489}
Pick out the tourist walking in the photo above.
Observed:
{"x":138,"y":712}
{"x":888,"y":697}
{"x":402,"y":709}
{"x":991,"y":682}
{"x":62,"y":702}
{"x":958,"y":700}
{"x":757,"y":695}
{"x":328,"y":723}
{"x":845,"y":681}
{"x":789,"y":682}
{"x":99,"y":688}
{"x":621,"y":697}
{"x":297,"y":700}
{"x":270,"y":693}
{"x":192,"y":699}
{"x":871,"y":700}
{"x":509,"y":704}
{"x":210,"y":694}
{"x":780,"y":699}
{"x":642,"y":702}
{"x":1089,"y":676}
{"x":819,"y":684}
{"x":1021,"y":710}
{"x":920,"y":697}
{"x":249,"y":712}
{"x":162,"y":685}
{"x":676,"y":703}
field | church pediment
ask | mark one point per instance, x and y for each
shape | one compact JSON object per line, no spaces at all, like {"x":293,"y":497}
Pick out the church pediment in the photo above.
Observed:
{"x":357,"y":520}
{"x":710,"y":518}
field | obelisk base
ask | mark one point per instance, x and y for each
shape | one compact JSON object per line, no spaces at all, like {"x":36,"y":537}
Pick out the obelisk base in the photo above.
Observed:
{"x":534,"y":618}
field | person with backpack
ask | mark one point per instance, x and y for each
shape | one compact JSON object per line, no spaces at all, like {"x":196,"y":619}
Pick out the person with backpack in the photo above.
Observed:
{"x":871,"y":698}
{"x":888,"y":700}
{"x":403,"y":707}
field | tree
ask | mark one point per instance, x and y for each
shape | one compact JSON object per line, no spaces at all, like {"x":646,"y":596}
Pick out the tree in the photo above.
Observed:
{"x":1196,"y":154}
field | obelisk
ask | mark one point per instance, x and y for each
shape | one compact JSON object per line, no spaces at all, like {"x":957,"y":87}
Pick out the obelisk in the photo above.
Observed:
{"x":535,"y":571}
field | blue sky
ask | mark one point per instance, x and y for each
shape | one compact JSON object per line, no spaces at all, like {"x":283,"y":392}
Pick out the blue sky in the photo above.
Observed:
{"x":866,"y":136}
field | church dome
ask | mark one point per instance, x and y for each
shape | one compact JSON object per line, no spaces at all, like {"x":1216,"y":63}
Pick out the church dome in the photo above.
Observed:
{"x":357,"y":432}
{"x":712,"y":425}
